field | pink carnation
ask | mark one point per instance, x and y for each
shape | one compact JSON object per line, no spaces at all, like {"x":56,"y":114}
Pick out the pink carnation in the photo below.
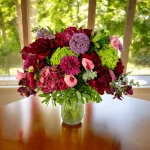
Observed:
{"x":48,"y":79}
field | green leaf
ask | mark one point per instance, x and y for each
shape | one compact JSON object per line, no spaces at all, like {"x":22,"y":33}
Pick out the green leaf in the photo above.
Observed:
{"x":97,"y":45}
{"x":86,"y":96}
{"x":92,"y":34}
{"x":82,"y":100}
{"x":44,"y":95}
{"x":78,"y":95}
{"x":97,"y":36}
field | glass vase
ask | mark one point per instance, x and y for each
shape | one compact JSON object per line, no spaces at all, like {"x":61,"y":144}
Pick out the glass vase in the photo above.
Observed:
{"x":72,"y":114}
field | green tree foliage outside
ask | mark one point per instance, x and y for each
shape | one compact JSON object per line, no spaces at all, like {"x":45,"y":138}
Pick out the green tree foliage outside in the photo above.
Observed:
{"x":9,"y":37}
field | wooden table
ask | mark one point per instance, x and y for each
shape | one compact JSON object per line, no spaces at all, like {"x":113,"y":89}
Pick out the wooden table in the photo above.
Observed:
{"x":110,"y":125}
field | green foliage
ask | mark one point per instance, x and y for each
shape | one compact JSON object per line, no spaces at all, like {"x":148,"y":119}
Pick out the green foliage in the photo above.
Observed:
{"x":100,"y":39}
{"x":81,"y":93}
{"x":122,"y":84}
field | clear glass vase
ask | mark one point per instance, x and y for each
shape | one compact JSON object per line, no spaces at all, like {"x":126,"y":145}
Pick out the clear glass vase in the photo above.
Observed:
{"x":72,"y":114}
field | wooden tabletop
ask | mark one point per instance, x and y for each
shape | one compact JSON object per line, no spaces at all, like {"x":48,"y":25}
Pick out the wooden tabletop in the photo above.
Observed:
{"x":110,"y":125}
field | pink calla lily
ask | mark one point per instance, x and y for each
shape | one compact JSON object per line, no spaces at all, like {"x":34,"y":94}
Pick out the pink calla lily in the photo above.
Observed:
{"x":87,"y":64}
{"x":115,"y":43}
{"x":70,"y":80}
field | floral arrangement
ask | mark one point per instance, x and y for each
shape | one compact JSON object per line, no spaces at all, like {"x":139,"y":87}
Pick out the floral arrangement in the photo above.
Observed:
{"x":73,"y":65}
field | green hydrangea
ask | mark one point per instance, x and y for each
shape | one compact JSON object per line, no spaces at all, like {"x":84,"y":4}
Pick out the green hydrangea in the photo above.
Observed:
{"x":59,"y":54}
{"x":109,"y":56}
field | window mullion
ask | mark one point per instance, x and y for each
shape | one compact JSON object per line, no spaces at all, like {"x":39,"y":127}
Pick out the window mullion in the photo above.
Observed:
{"x":25,"y":7}
{"x":91,"y":14}
{"x":128,"y":31}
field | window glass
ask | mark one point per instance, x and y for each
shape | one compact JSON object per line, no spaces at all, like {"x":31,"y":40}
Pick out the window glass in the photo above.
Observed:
{"x":10,"y":41}
{"x":139,"y":57}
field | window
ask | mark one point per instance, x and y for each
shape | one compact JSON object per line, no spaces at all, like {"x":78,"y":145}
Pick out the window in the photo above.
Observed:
{"x":58,"y":14}
{"x":139,"y":55}
{"x":10,"y":37}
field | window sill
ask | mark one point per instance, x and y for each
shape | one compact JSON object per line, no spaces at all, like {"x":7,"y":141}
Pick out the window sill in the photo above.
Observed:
{"x":8,"y":81}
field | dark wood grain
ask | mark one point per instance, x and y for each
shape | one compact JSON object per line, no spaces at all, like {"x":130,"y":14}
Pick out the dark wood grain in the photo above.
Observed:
{"x":110,"y":125}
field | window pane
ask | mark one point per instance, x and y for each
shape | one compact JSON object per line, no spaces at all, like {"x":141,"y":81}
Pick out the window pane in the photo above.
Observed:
{"x":59,"y":14}
{"x":139,"y":57}
{"x":10,"y":21}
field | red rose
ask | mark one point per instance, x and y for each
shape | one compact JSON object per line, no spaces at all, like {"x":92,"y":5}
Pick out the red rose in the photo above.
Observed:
{"x":95,"y":57}
{"x":85,"y":31}
{"x":68,"y":35}
{"x":61,"y":84}
{"x":95,"y":84}
{"x":60,"y":40}
{"x":40,"y":46}
{"x":101,"y":83}
{"x":71,"y":28}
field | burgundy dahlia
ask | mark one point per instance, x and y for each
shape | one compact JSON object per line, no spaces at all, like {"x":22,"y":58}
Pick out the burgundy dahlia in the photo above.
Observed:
{"x":79,"y":43}
{"x":70,"y":65}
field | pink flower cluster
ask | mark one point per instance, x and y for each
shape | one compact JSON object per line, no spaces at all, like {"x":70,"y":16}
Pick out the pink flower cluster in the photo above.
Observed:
{"x":50,"y":80}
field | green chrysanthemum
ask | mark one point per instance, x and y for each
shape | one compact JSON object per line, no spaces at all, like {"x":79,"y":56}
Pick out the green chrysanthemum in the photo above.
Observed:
{"x":109,"y":56}
{"x":59,"y":54}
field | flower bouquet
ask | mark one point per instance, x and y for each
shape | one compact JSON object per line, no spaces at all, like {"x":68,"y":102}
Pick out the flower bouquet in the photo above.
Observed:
{"x":73,"y":67}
